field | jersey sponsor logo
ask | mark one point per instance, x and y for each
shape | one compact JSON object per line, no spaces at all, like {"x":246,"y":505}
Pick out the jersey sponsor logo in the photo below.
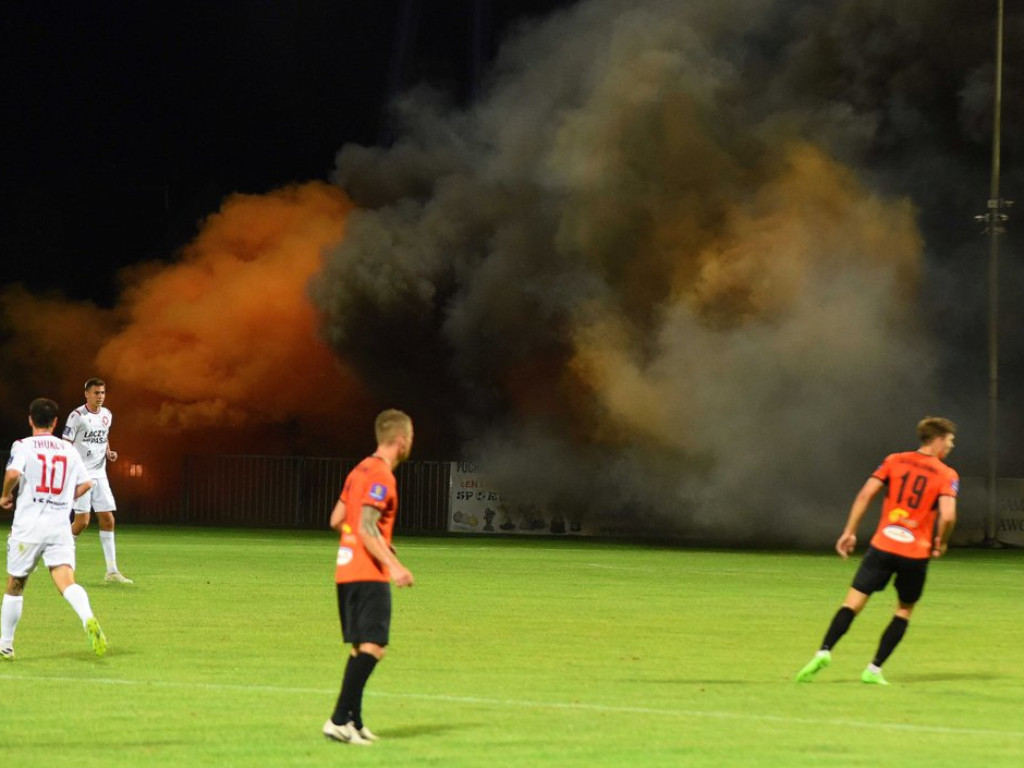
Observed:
{"x":378,"y":492}
{"x":69,"y":432}
{"x":898,"y":533}
{"x":95,"y":436}
{"x":344,"y":555}
{"x":53,"y":502}
{"x":898,"y":514}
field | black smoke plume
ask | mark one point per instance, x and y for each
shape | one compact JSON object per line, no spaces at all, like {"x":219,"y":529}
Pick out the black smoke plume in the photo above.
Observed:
{"x":699,"y":264}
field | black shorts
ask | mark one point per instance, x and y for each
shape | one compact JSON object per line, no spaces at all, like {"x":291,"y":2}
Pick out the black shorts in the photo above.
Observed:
{"x":364,"y":608}
{"x":877,"y":568}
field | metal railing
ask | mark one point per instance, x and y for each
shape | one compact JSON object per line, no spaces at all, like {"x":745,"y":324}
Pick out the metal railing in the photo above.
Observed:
{"x":260,"y":491}
{"x":269,"y":491}
{"x":264,"y":491}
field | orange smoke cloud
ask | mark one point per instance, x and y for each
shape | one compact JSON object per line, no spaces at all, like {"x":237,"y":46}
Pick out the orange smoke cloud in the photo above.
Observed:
{"x":218,"y":351}
{"x":227,"y":338}
{"x":48,"y":349}
{"x":813,"y":215}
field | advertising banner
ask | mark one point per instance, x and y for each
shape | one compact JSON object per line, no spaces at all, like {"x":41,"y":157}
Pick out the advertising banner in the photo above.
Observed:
{"x":972,"y":511}
{"x":477,"y":506}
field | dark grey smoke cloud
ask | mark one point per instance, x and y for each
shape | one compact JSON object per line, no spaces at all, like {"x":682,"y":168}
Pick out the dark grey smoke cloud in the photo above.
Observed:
{"x":685,"y":263}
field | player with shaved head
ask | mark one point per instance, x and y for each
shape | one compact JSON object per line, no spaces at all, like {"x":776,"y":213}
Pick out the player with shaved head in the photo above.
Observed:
{"x":364,"y":516}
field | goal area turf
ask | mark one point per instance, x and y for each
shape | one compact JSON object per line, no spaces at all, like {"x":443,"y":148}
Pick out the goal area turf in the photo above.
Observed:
{"x":511,"y":652}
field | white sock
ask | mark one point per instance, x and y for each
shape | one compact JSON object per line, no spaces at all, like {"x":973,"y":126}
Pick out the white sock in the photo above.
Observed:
{"x":109,"y":552}
{"x":874,"y":668}
{"x":79,"y":600}
{"x":10,"y":615}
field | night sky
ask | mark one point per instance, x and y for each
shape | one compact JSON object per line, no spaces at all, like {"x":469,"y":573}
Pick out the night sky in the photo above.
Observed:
{"x":129,"y":122}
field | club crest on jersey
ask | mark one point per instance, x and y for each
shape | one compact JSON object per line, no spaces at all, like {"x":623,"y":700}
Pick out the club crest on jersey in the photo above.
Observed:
{"x":378,"y":492}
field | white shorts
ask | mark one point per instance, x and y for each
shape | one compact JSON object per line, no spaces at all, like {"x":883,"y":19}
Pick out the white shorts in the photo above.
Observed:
{"x":100,"y":498}
{"x":23,"y":556}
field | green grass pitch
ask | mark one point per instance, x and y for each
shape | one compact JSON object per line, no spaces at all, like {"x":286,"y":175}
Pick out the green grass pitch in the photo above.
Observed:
{"x":566,"y":653}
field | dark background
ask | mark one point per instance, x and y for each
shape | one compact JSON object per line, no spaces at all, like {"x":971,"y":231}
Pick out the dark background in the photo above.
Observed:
{"x":127,"y":123}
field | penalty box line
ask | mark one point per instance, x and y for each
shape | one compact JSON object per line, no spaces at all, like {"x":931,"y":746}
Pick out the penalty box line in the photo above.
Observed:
{"x":530,"y":704}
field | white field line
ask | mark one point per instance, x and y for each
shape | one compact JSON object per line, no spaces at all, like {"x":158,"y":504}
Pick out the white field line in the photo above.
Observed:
{"x":529,"y":704}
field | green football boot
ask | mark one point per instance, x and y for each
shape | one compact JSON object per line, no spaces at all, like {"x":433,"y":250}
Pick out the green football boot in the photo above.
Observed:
{"x":97,"y":639}
{"x":821,"y":660}
{"x":874,"y":678}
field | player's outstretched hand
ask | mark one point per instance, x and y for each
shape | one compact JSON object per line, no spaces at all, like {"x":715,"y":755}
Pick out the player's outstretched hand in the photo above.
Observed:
{"x":846,"y":544}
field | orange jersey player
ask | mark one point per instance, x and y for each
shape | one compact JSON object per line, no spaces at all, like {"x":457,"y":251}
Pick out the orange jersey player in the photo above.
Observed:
{"x":917,"y":520}
{"x":366,"y":566}
{"x":915,"y":482}
{"x":370,"y":484}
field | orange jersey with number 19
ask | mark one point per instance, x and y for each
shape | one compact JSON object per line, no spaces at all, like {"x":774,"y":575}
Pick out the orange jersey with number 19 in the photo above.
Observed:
{"x":915,"y":482}
{"x":371,"y":483}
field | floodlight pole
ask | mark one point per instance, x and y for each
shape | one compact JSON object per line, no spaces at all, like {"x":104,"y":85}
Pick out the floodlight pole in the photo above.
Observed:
{"x":995,"y":219}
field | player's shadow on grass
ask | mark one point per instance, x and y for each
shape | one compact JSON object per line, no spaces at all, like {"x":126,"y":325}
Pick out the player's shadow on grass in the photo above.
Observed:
{"x":414,"y":731}
{"x":78,"y":656}
{"x":693,"y":681}
{"x":909,"y":679}
{"x":946,"y":677}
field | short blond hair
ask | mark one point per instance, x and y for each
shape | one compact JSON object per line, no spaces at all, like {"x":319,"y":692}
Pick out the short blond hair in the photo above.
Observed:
{"x":931,"y":427}
{"x":390,"y":424}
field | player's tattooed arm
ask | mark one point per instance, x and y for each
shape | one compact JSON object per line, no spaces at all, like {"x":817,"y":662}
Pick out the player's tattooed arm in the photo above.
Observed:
{"x":369,"y":520}
{"x":378,"y":549}
{"x":371,"y":536}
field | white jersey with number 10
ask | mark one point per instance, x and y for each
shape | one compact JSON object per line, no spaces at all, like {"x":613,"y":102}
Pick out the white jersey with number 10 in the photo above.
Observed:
{"x":50,"y":470}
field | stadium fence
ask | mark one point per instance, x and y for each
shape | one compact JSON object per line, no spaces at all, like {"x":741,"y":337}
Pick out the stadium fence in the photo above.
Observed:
{"x":272,"y":492}
{"x":265,"y":491}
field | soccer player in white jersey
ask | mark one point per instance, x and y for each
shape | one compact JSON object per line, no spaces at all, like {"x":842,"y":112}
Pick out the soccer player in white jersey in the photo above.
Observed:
{"x":48,"y":474}
{"x":88,"y":427}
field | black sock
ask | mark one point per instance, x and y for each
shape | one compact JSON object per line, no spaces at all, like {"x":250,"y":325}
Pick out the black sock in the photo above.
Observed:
{"x":890,"y":639}
{"x":350,"y":701}
{"x":840,"y":623}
